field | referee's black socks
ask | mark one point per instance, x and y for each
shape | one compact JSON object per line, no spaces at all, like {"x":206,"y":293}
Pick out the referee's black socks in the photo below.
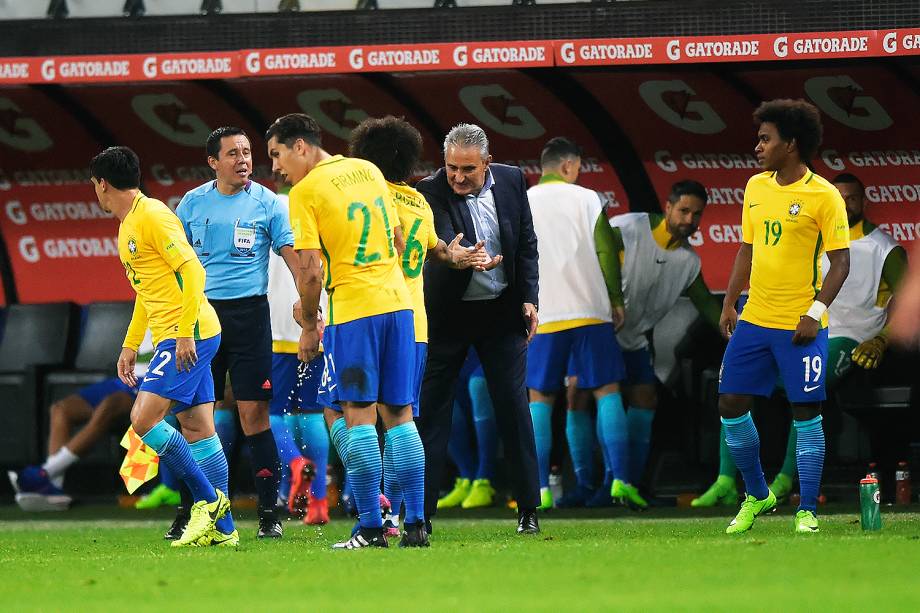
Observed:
{"x":266,"y":468}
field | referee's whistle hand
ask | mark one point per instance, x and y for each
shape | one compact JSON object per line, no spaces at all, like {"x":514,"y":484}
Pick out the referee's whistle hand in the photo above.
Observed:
{"x":186,"y":356}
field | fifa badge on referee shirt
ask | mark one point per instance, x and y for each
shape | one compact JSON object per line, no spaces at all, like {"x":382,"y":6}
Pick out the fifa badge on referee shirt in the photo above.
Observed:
{"x":244,"y":239}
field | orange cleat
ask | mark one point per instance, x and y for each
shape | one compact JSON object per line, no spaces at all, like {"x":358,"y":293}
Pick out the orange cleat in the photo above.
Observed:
{"x":317,"y":512}
{"x":302,"y":473}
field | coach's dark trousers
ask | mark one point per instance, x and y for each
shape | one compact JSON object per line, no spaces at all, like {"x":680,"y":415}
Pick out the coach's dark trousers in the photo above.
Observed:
{"x":496,"y":329}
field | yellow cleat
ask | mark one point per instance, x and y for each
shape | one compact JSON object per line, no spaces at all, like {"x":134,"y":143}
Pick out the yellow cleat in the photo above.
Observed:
{"x":216,"y":538}
{"x":202,"y":519}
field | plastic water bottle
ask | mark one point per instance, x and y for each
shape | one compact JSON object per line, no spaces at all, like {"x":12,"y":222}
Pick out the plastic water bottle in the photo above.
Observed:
{"x":555,"y":482}
{"x":870,"y":517}
{"x":902,"y":484}
{"x":874,"y":473}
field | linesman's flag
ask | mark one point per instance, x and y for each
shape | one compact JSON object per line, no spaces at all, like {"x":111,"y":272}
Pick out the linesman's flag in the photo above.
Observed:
{"x":141,"y":463}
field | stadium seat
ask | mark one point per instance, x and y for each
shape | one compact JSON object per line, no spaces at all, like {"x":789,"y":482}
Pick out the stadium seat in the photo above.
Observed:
{"x":99,"y":347}
{"x":17,"y":9}
{"x":94,"y":8}
{"x":35,"y":337}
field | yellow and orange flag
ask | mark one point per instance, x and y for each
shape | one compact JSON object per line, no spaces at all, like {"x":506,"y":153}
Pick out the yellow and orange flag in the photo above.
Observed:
{"x":141,"y":463}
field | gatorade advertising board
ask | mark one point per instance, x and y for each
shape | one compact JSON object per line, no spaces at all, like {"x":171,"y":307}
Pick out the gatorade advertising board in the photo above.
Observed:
{"x":519,"y":115}
{"x":688,"y":125}
{"x":167,"y":125}
{"x":338,"y":104}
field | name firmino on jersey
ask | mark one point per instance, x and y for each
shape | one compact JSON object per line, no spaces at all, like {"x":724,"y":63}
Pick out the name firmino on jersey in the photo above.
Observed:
{"x":352,"y":178}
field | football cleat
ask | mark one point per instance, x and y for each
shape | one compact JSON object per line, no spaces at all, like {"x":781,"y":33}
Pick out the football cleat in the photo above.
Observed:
{"x":456,"y":496}
{"x":721,"y":493}
{"x":415,"y":535}
{"x":391,"y":525}
{"x":317,"y":512}
{"x":216,"y":538}
{"x":806,"y":522}
{"x":35,"y":492}
{"x":302,"y":474}
{"x":628,"y":495}
{"x":178,"y":526}
{"x":781,"y":487}
{"x":160,"y":496}
{"x":269,"y":525}
{"x":750,"y":509}
{"x":364,"y":538}
{"x":202,"y":518}
{"x":482,"y":494}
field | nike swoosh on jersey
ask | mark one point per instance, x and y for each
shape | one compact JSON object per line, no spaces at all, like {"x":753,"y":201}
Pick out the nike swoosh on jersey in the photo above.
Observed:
{"x":810,"y":389}
{"x":751,"y":206}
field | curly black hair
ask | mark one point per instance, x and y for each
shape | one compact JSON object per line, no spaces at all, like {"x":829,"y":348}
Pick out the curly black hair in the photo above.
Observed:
{"x":392,"y":144}
{"x":794,"y":120}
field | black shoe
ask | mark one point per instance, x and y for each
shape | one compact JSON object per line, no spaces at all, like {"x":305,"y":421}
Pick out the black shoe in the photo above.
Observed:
{"x":364,"y":537}
{"x":415,"y":535}
{"x":269,"y":525}
{"x":428,"y":527}
{"x":178,"y":526}
{"x":527,"y":522}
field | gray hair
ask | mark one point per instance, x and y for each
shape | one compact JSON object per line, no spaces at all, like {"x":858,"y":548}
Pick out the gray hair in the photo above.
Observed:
{"x":465,"y":135}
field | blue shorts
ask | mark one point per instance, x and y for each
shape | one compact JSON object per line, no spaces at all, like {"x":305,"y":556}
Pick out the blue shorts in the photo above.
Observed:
{"x":589,"y":352}
{"x":186,"y":388}
{"x":639,"y":367}
{"x":293,"y":390}
{"x":97,"y":392}
{"x":421,"y":357}
{"x":755,"y":355}
{"x":371,"y":359}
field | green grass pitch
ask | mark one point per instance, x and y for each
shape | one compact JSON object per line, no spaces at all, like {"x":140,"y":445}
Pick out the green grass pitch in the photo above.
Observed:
{"x":664,"y":560}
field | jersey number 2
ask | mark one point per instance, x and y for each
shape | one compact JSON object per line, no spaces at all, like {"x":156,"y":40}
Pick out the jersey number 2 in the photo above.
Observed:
{"x":158,"y":369}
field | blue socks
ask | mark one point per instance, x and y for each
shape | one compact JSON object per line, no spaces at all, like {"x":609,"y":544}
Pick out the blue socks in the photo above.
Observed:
{"x":541,"y":413}
{"x":391,"y":488}
{"x":579,"y":432}
{"x":225,"y":425}
{"x":639,"y":424}
{"x":744,"y":443}
{"x":175,"y":453}
{"x":314,"y":444}
{"x":809,"y":458}
{"x":287,"y":451}
{"x":612,"y":431}
{"x":459,"y":446}
{"x":484,"y":423}
{"x":364,"y":470}
{"x":210,"y":457}
{"x":409,"y":462}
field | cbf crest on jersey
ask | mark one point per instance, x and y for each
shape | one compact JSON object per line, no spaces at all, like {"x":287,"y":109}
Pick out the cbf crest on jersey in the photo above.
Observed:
{"x":132,"y":247}
{"x":244,"y":239}
{"x":795,"y":207}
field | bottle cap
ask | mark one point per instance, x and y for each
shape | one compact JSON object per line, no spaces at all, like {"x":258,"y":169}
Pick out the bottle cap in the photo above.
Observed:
{"x":869,"y":480}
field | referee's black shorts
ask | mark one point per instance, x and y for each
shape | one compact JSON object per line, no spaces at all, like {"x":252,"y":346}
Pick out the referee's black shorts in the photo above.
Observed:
{"x":245,"y":348}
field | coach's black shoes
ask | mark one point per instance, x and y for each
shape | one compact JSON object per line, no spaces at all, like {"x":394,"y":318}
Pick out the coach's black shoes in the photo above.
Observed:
{"x":364,"y":537}
{"x":269,"y":525}
{"x":527,"y":522}
{"x":415,"y":535}
{"x":178,"y":526}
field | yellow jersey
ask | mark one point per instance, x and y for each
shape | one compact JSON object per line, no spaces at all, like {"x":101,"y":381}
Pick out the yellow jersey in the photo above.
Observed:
{"x":343,"y":208}
{"x":417,"y":223}
{"x":789,"y":227}
{"x":152,"y":247}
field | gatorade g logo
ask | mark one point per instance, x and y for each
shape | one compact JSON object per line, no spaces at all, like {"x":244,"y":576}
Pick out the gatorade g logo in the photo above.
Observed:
{"x":567,"y":53}
{"x":461,"y":55}
{"x":28,"y":249}
{"x":843,"y":99}
{"x":356,"y":58}
{"x":168,"y":116}
{"x":48,"y":70}
{"x":150,"y":67}
{"x":253,"y":62}
{"x":494,"y":106}
{"x":332,"y":110}
{"x":16,"y":213}
{"x":21,"y":132}
{"x":877,"y":497}
{"x":674,"y":102}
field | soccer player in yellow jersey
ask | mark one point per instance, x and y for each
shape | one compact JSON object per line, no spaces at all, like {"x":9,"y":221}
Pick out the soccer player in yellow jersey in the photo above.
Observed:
{"x":344,"y":220}
{"x":162,"y":268}
{"x":394,"y":146}
{"x":790,"y":217}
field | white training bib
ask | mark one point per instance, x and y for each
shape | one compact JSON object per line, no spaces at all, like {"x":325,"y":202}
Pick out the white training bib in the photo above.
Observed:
{"x":653,"y":278}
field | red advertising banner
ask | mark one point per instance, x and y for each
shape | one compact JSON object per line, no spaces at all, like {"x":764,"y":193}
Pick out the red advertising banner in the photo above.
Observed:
{"x":519,"y":116}
{"x":460,"y":56}
{"x":688,"y":125}
{"x":167,"y":125}
{"x":62,"y":246}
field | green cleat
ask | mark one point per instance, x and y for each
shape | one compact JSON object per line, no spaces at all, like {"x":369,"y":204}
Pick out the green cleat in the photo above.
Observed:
{"x":627,"y":494}
{"x":218,"y":539}
{"x":721,"y":493}
{"x":457,"y":495}
{"x":160,"y":496}
{"x":546,"y":499}
{"x":482,"y":494}
{"x":202,"y":519}
{"x":750,"y":509}
{"x":781,"y":487}
{"x":805,"y":522}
